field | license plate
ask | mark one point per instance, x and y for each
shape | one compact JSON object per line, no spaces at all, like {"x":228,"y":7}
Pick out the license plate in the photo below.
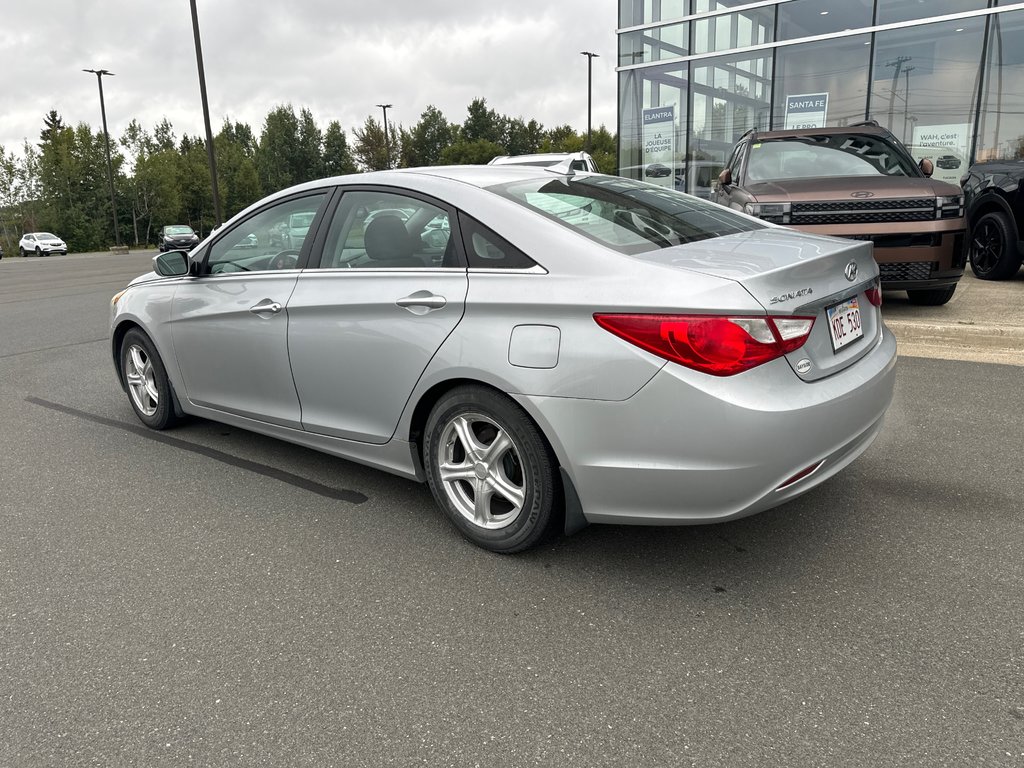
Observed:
{"x":844,"y":323}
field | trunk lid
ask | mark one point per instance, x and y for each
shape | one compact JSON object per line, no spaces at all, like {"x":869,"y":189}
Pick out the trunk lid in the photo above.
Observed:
{"x":793,"y":274}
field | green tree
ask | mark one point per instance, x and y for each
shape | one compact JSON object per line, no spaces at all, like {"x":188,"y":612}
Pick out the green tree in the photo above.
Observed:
{"x":603,"y":148}
{"x":275,"y":155}
{"x":478,"y":152}
{"x":486,"y":124}
{"x":237,"y":177}
{"x":194,"y":186}
{"x":73,"y":176}
{"x":562,"y":138}
{"x":308,"y":149}
{"x":425,"y":142}
{"x":370,"y":151}
{"x":524,"y":138}
{"x":337,"y":159}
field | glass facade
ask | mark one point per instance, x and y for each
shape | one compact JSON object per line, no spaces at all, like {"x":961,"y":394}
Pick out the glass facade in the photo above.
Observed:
{"x":695,"y":75}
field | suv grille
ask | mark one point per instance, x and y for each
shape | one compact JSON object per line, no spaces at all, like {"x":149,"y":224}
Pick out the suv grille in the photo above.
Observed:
{"x":906,"y":270}
{"x":864,"y":211}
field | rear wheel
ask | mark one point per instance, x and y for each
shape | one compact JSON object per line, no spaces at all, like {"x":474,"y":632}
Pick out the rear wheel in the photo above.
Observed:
{"x":993,"y":250}
{"x":490,"y":470}
{"x":149,"y":389}
{"x":932,"y":297}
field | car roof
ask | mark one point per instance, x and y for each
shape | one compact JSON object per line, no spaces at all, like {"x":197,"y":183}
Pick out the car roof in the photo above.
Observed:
{"x":871,"y":130}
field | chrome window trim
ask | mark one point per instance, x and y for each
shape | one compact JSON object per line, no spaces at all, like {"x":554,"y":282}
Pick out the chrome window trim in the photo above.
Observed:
{"x":767,"y":47}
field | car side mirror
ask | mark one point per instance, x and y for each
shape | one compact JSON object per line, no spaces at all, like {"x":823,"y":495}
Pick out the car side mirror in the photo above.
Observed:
{"x":171,"y":264}
{"x":927,"y":167}
{"x":725,"y":177}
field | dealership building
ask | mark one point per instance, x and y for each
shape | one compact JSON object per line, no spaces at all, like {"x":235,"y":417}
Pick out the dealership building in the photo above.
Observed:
{"x":945,"y":76}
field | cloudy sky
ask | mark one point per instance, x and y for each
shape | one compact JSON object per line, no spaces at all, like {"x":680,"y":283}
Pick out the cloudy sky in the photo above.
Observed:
{"x":339,"y":58}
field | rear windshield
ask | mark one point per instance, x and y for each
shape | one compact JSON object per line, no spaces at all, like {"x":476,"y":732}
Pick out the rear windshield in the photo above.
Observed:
{"x":625,"y":215}
{"x":843,"y":154}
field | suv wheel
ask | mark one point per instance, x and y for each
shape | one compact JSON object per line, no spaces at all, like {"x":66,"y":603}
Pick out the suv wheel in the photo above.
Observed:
{"x":993,"y":249}
{"x":932,"y":297}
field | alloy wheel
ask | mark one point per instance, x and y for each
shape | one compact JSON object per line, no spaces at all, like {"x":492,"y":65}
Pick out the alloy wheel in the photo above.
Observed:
{"x":481,"y":471}
{"x":138,"y":372}
{"x":986,"y":245}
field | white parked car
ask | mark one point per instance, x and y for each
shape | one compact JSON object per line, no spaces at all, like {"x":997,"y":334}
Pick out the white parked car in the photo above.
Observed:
{"x":580,"y":161}
{"x":41,"y":244}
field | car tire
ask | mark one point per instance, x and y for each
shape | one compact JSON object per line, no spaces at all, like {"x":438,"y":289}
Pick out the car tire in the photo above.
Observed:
{"x":39,"y":251}
{"x":993,"y":250}
{"x":932,"y":297}
{"x":145,"y":378}
{"x":490,"y":470}
{"x":21,"y":251}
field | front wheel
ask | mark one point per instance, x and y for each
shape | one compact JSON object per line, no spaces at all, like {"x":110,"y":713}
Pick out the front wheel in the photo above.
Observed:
{"x":490,"y":470}
{"x":993,"y":250}
{"x":39,"y":251}
{"x":21,"y":251}
{"x":932,"y":297}
{"x":149,"y":389}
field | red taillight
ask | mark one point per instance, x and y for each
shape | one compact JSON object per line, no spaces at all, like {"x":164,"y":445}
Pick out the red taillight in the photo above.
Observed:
{"x":874,"y":296}
{"x":715,"y":344}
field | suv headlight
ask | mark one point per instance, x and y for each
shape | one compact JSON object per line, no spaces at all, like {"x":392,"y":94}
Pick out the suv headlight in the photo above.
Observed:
{"x":949,"y":206}
{"x":776,"y":213}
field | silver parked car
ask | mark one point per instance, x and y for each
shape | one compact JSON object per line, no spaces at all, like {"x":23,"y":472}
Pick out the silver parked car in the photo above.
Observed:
{"x":568,"y":348}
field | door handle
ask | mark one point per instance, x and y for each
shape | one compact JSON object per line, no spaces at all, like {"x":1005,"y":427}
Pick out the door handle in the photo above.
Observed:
{"x":266,"y":306}
{"x":423,"y":299}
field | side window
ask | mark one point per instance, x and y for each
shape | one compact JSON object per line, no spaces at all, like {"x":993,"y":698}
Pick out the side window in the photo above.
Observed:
{"x":486,"y":249}
{"x":386,"y":230}
{"x":270,"y":239}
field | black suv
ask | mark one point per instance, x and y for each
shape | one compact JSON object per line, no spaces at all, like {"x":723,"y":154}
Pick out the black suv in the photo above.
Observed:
{"x":995,"y":218}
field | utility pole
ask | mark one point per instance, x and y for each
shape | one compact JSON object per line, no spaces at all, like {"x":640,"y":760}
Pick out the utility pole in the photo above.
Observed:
{"x":106,"y":140}
{"x":211,"y":155}
{"x":906,"y":103}
{"x":590,"y":72}
{"x":387,"y":144}
{"x":898,"y":63}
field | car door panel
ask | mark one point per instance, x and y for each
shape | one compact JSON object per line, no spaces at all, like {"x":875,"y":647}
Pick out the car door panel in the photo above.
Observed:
{"x":359,"y":340}
{"x":232,"y":347}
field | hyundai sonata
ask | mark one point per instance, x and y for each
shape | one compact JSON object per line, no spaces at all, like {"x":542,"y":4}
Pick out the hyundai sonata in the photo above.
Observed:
{"x":569,"y":348}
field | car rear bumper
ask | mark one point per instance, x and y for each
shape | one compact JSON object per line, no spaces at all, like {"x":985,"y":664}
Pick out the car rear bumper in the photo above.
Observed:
{"x":689,"y":449}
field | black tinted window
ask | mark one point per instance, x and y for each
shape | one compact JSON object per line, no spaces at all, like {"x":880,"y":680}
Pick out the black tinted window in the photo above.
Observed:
{"x":486,"y":249}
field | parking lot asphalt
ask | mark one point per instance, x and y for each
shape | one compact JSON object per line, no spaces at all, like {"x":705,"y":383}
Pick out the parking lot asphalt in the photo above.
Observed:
{"x":199,"y":600}
{"x":983,"y":322}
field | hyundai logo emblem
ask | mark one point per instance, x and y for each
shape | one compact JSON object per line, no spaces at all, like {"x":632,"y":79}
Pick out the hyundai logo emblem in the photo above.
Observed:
{"x":862,"y":195}
{"x":851,"y":271}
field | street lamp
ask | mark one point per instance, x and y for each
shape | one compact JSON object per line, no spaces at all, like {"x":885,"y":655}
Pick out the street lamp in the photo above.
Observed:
{"x":210,"y":154}
{"x":106,"y":139}
{"x":387,"y":145}
{"x":590,"y":65}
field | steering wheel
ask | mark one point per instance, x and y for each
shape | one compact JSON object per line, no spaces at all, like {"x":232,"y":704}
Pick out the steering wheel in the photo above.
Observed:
{"x":285,"y":260}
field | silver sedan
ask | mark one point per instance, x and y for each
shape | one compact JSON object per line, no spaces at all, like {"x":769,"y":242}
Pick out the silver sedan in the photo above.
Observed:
{"x":566,"y":348}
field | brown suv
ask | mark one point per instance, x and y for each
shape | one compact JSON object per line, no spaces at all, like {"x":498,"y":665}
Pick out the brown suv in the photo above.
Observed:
{"x":857,"y":182}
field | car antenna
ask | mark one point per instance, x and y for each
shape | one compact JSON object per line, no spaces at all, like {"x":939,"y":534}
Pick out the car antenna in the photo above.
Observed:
{"x":564,"y":166}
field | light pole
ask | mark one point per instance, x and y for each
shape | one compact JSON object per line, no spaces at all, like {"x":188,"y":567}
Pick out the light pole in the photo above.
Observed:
{"x":106,"y":140}
{"x":211,"y":155}
{"x":590,"y":66}
{"x":387,"y":144}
